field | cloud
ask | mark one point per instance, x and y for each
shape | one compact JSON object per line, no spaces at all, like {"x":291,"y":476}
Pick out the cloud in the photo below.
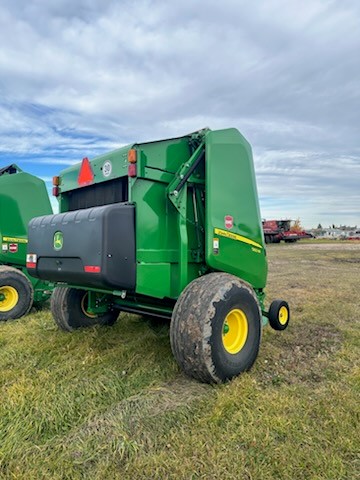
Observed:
{"x":80,"y":78}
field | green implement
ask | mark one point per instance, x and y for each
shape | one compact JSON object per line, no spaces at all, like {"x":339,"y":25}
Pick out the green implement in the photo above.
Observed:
{"x":22,"y":197}
{"x":170,"y":228}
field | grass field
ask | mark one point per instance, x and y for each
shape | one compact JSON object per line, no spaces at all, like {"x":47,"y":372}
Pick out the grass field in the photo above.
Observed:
{"x":111,"y":402}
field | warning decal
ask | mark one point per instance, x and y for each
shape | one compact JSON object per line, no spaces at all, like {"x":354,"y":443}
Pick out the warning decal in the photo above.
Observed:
{"x":216,"y":246}
{"x":229,"y":221}
{"x":13,"y":247}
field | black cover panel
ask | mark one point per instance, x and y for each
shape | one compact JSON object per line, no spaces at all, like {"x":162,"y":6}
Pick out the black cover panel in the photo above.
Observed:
{"x":95,"y":237}
{"x":104,"y":193}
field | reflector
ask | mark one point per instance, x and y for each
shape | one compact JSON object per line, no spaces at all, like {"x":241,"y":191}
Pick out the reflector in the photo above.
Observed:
{"x":86,"y":175}
{"x":132,"y":155}
{"x":92,"y":269}
{"x":132,"y":170}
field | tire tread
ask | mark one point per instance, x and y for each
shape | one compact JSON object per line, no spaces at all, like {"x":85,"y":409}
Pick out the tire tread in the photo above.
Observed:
{"x":187,"y":324}
{"x":25,"y":303}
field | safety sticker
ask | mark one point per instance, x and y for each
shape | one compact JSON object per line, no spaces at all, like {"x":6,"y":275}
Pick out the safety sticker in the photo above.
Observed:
{"x":5,"y":247}
{"x":229,"y":221}
{"x":31,"y":258}
{"x":235,"y":236}
{"x":216,"y":246}
{"x":15,"y":239}
{"x":13,"y":247}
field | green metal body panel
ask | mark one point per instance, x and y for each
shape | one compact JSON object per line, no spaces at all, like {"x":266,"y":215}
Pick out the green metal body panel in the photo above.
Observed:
{"x":183,"y":190}
{"x":157,"y":221}
{"x":231,"y":191}
{"x":118,"y":158}
{"x":22,"y":197}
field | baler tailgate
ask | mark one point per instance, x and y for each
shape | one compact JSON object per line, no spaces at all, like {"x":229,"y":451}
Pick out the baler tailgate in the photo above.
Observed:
{"x":232,"y":212}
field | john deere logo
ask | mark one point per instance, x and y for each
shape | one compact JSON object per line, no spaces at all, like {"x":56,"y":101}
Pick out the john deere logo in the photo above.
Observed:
{"x":58,"y":240}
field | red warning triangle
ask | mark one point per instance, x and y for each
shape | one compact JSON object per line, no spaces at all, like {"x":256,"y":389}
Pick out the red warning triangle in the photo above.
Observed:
{"x":86,"y":175}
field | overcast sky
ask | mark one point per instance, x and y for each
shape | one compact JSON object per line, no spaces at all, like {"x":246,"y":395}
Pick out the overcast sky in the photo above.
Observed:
{"x":78,"y":78}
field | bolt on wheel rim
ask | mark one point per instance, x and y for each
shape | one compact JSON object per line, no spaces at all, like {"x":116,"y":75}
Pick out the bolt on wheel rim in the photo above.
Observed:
{"x":283,"y":315}
{"x":235,"y":331}
{"x":9,"y":297}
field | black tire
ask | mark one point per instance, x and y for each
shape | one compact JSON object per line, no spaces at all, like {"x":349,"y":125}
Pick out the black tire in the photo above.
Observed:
{"x":197,"y":327}
{"x":279,"y":315}
{"x":16,"y":293}
{"x":67,"y":308}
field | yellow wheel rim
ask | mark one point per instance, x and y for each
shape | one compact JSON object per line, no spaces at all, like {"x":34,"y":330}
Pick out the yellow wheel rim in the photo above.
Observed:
{"x":235,"y":331}
{"x":84,"y":305}
{"x":9,"y":297}
{"x":283,"y":315}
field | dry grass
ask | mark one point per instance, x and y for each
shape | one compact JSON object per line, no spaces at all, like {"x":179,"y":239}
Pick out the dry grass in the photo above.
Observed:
{"x":111,"y":403}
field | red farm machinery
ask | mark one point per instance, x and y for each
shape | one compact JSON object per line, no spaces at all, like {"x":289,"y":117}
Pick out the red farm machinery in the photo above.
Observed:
{"x":277,"y":230}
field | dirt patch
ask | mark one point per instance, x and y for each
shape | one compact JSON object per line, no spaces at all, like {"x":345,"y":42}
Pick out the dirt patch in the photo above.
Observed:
{"x":132,"y":421}
{"x":302,"y":358}
{"x":347,"y":260}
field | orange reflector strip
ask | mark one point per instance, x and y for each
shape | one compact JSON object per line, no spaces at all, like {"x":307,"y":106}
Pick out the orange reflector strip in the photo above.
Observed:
{"x":56,"y":181}
{"x":132,"y":155}
{"x":86,"y":175}
{"x":30,"y":265}
{"x":92,"y":269}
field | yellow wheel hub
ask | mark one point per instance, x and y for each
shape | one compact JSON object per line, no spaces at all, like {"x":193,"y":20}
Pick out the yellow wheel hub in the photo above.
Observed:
{"x":283,"y":315}
{"x":84,"y":301}
{"x":9,"y":297}
{"x":235,"y":331}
